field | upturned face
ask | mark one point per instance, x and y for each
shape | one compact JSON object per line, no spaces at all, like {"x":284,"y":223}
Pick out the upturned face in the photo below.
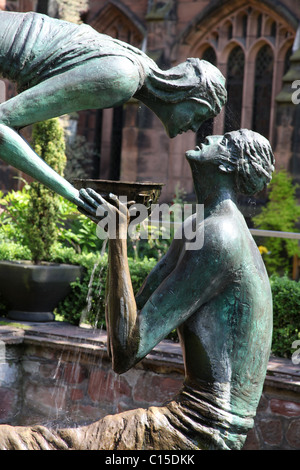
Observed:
{"x":185,"y":116}
{"x":210,"y":150}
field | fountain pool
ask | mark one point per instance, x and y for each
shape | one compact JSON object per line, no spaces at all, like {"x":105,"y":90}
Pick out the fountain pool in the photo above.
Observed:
{"x":55,"y":372}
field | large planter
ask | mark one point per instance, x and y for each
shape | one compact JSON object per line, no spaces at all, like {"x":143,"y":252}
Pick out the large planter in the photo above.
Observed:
{"x":33,"y":291}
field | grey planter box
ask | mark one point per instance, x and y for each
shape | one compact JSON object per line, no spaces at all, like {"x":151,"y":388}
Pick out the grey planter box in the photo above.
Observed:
{"x":33,"y":291}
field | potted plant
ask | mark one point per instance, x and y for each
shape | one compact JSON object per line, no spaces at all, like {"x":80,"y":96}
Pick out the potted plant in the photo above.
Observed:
{"x":32,"y":289}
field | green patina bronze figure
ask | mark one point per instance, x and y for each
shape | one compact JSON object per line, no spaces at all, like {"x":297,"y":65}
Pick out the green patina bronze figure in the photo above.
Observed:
{"x":61,"y":67}
{"x":217,"y":296}
{"x":219,"y":299}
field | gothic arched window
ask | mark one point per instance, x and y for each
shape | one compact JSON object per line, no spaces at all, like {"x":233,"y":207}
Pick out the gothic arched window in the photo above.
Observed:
{"x":235,"y":80}
{"x":210,"y":55}
{"x":253,"y":54}
{"x":262,"y":98}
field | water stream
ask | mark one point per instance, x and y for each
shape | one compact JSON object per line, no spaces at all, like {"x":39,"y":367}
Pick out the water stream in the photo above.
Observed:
{"x":94,"y":293}
{"x":96,"y":289}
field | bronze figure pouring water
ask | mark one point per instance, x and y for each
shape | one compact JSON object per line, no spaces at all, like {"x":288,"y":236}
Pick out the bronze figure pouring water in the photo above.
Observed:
{"x":61,"y":67}
{"x":218,"y":296}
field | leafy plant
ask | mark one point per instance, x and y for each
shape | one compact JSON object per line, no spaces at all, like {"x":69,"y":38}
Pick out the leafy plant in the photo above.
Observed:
{"x":77,"y":230}
{"x":37,"y":218}
{"x":86,"y":301}
{"x":286,"y":314}
{"x":42,"y":219}
{"x":13,"y":215}
{"x":74,"y":230}
{"x":10,"y":251}
{"x":281,"y":213}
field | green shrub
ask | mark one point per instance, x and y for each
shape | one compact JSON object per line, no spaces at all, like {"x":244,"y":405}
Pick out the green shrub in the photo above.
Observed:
{"x":86,"y":302}
{"x":11,"y":251}
{"x":32,"y":216}
{"x":281,"y":213}
{"x":76,"y":230}
{"x":73,"y":229}
{"x":13,"y":215}
{"x":42,"y":209}
{"x":286,"y":314}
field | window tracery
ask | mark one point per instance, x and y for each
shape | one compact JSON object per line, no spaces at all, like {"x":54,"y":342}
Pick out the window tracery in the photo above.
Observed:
{"x":252,"y":52}
{"x":264,"y":66}
{"x":235,"y":83}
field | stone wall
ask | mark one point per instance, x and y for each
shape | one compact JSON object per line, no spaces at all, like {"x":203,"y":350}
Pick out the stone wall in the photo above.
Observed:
{"x":52,"y":372}
{"x":77,"y":387}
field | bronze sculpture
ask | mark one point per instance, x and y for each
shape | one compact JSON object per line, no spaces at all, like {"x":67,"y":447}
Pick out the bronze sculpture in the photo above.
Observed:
{"x":61,"y":67}
{"x":218,"y":297}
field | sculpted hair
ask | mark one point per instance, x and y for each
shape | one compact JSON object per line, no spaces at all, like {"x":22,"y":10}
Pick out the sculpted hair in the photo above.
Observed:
{"x":252,"y":160}
{"x":194,"y":79}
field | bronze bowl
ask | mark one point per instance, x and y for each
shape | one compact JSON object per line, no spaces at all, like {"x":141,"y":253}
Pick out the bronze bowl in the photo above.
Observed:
{"x":145,"y":193}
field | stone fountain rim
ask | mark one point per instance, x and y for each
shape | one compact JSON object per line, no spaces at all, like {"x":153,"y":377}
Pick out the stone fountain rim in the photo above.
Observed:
{"x":62,"y":334}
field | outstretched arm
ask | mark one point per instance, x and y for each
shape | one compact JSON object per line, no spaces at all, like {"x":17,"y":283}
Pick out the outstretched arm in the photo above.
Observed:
{"x":105,"y":82}
{"x":16,"y":152}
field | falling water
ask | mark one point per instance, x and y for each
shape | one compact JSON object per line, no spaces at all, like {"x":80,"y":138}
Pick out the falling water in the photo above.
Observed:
{"x":112,"y":385}
{"x":94,"y":293}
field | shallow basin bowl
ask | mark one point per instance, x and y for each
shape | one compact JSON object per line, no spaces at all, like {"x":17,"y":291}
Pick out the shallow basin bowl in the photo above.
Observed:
{"x":145,"y":193}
